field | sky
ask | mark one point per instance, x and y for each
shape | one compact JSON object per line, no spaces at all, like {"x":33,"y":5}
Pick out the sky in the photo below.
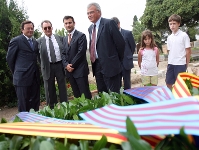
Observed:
{"x":55,"y":10}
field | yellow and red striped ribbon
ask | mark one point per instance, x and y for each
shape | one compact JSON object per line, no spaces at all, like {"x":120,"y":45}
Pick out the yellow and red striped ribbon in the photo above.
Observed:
{"x":72,"y":131}
{"x":180,"y":88}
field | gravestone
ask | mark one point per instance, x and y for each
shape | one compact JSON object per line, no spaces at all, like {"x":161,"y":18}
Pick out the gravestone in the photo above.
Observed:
{"x":196,"y":43}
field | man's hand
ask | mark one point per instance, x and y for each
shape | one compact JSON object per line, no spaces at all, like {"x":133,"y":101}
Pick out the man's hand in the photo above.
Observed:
{"x":69,"y":68}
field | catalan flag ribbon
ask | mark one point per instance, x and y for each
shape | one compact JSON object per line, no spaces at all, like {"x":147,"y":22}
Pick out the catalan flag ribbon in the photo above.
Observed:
{"x":151,"y":94}
{"x":74,"y":131}
{"x":180,"y":88}
{"x":161,"y":118}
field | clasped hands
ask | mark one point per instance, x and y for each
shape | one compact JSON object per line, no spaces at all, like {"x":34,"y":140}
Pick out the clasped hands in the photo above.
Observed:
{"x":69,"y":68}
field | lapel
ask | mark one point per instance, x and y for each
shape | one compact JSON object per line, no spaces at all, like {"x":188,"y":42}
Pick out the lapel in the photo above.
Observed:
{"x":101,"y":26}
{"x":34,"y":43}
{"x":122,"y":32}
{"x":26,"y":41}
{"x":43,"y":44}
{"x":73,"y":37}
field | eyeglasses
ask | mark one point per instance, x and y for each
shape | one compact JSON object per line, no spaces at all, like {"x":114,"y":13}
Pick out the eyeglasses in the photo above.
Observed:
{"x":49,"y":28}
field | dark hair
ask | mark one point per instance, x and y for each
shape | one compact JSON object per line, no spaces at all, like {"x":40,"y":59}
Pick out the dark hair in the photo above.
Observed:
{"x":116,"y":20}
{"x":26,"y":22}
{"x":68,"y":17}
{"x":174,"y":17}
{"x":46,"y":21}
{"x":147,"y":33}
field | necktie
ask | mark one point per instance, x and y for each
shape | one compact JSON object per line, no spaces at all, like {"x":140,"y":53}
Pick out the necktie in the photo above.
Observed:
{"x":92,"y":50}
{"x":69,"y":38}
{"x":52,"y":51}
{"x":31,"y":44}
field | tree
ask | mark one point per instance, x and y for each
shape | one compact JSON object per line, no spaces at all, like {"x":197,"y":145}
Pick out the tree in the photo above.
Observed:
{"x":135,"y":19}
{"x":10,"y":20}
{"x":157,"y":12}
{"x":61,"y":32}
{"x":138,"y":28}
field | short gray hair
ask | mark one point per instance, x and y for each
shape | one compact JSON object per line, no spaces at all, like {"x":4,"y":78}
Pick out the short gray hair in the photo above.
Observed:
{"x":94,"y":4}
{"x":116,"y":20}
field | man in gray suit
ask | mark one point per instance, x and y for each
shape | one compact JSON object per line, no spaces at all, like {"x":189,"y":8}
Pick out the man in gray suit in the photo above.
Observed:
{"x":22,"y":60}
{"x":127,"y":62}
{"x":50,"y":48}
{"x":106,"y":50}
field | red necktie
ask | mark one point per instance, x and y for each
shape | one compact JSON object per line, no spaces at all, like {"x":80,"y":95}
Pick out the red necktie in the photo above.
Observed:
{"x":92,"y":50}
{"x":69,"y":38}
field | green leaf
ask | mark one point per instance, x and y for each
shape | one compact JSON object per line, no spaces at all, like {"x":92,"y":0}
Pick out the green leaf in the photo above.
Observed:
{"x":75,"y":117}
{"x":83,"y":145}
{"x":32,"y":111}
{"x":138,"y":144}
{"x":35,"y":144}
{"x":60,"y":146}
{"x":131,"y":129}
{"x":2,"y":137}
{"x":46,"y":145}
{"x":17,"y":119}
{"x":100,"y":144}
{"x":15,"y":142}
{"x":3,"y":120}
{"x":25,"y":143}
{"x":73,"y":147}
{"x":126,"y":146}
{"x":4,"y":145}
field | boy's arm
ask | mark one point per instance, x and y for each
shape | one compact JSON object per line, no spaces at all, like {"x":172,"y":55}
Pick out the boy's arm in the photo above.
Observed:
{"x":188,"y":55}
{"x":157,"y":57}
{"x":139,"y":58}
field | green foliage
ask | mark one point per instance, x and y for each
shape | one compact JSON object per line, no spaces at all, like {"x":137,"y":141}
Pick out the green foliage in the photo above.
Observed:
{"x":10,"y":20}
{"x":138,"y":28}
{"x":157,"y":12}
{"x":175,"y":142}
{"x":71,"y":109}
{"x":192,"y":90}
{"x":61,"y":32}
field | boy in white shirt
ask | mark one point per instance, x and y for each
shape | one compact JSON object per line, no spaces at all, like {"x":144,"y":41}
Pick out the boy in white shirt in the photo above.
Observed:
{"x":179,"y":51}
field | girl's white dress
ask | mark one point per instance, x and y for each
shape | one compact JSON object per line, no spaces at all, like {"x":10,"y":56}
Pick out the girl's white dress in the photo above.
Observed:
{"x":149,"y":64}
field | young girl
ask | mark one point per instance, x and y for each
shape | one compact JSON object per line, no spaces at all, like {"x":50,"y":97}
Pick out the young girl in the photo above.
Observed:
{"x":148,"y":59}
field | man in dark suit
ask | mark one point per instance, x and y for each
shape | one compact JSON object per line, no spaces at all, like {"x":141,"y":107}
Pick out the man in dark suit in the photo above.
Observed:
{"x":127,"y":62}
{"x":74,"y":59}
{"x":50,"y":48}
{"x":22,"y":60}
{"x":106,"y":50}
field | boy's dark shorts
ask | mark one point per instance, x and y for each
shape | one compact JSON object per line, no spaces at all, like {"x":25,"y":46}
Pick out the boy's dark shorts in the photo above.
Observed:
{"x":172,"y":72}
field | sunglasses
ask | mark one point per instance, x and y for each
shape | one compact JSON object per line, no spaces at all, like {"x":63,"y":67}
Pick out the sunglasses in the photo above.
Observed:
{"x":49,"y":28}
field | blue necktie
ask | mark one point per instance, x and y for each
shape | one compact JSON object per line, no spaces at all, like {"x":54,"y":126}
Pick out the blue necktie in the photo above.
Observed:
{"x":31,"y":44}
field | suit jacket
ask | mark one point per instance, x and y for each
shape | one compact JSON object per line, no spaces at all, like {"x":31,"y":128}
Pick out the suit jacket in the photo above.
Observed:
{"x":110,"y":47}
{"x":44,"y":59}
{"x":129,"y":49}
{"x":75,"y":54}
{"x":22,"y":61}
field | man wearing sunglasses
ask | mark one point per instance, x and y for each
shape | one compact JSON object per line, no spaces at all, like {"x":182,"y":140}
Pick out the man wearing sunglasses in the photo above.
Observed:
{"x":50,"y":48}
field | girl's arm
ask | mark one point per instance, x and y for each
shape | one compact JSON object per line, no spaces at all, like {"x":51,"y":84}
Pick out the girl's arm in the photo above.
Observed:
{"x":157,"y":56}
{"x":139,"y":58}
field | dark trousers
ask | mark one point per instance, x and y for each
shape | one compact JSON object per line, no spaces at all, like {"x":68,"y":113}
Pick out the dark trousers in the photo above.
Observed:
{"x":28,"y":96}
{"x":104,"y":83}
{"x":56,"y":71}
{"x":80,"y":86}
{"x":126,"y":75}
